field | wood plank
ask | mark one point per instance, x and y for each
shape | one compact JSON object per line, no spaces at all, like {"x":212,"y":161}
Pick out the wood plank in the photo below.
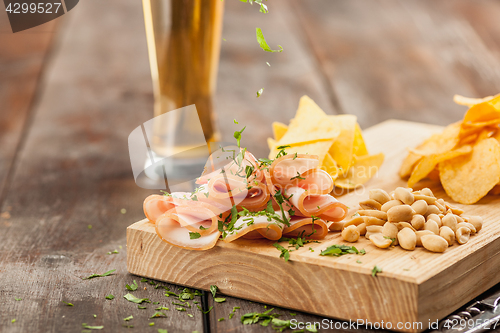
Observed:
{"x":400,"y":59}
{"x":74,"y":171}
{"x":22,"y":57}
{"x":415,"y":286}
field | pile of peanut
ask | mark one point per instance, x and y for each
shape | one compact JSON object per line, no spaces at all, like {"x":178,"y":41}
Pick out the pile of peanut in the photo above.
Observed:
{"x":409,"y":218}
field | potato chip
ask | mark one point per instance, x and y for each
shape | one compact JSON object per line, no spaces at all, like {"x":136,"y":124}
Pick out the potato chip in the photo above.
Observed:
{"x":428,"y":163}
{"x":461,"y":100}
{"x":319,"y":148}
{"x":468,"y":178}
{"x":310,"y":124}
{"x":342,"y":150}
{"x":495,"y":190}
{"x":483,"y":112}
{"x":279,"y":129}
{"x":436,"y":144}
{"x":330,"y":166}
{"x":363,"y":168}
{"x":359,"y":147}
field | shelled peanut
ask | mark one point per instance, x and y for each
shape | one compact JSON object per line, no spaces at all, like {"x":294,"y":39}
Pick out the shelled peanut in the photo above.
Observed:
{"x":411,"y":219}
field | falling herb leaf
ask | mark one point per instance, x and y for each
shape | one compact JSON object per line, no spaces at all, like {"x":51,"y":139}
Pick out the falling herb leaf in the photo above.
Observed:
{"x":219,"y":299}
{"x":128,"y":318}
{"x":133,"y":299}
{"x":213,"y":290}
{"x":376,"y":270}
{"x":132,"y":287}
{"x":110,"y":296}
{"x":237,"y":136}
{"x":92,"y":327}
{"x":99,"y":275}
{"x":268,"y":64}
{"x":158,"y":314}
{"x":68,"y":304}
{"x":263,"y":44}
{"x":234,"y":121}
{"x":259,"y":92}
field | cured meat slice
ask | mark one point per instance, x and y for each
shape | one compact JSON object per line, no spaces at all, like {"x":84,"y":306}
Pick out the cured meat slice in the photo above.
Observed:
{"x":305,"y":227}
{"x":324,"y":206}
{"x":286,"y":168}
{"x":172,"y":232}
{"x":270,"y":229}
{"x":195,"y":218}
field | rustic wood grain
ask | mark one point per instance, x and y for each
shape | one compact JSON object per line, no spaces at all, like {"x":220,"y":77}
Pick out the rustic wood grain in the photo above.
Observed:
{"x":414,"y":286}
{"x":22,"y":59}
{"x":403,"y":59}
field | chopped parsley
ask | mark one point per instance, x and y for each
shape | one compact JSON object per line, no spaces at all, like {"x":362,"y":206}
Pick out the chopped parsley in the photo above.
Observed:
{"x":99,"y":275}
{"x":259,"y":92}
{"x":337,"y":250}
{"x":133,"y":286}
{"x":285,"y":254}
{"x":113,"y":252}
{"x":221,"y":319}
{"x":68,"y":304}
{"x":376,"y":270}
{"x":88,"y":327}
{"x":18,"y":299}
{"x":128,"y":318}
{"x":133,"y":299}
{"x":237,"y":136}
{"x":263,"y":44}
{"x":297,"y":177}
{"x":213,"y":290}
{"x":158,"y":314}
{"x":219,"y":299}
{"x":110,"y":296}
{"x":194,"y":235}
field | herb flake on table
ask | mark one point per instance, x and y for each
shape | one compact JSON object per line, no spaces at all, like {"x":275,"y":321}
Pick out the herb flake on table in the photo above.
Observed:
{"x":158,"y":314}
{"x":133,"y":299}
{"x":161,"y":330}
{"x":213,"y":290}
{"x":262,"y":42}
{"x":219,"y":299}
{"x":285,"y":253}
{"x":113,"y":252}
{"x":376,"y":270}
{"x":18,"y":299}
{"x":110,"y":296}
{"x":99,"y":275}
{"x":88,"y":327}
{"x":133,"y":286}
{"x":128,"y":318}
{"x":68,"y":304}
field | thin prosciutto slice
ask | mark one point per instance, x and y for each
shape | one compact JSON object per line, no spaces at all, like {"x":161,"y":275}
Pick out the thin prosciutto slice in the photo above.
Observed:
{"x":266,"y":228}
{"x":323,"y":206}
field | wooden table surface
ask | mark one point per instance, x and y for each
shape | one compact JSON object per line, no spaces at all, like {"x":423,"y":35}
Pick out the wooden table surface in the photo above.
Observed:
{"x":73,"y":89}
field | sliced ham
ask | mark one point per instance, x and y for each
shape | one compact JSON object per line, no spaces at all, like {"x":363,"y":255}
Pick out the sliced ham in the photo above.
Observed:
{"x":305,"y":227}
{"x":286,"y":168}
{"x":267,"y":229}
{"x":324,"y":206}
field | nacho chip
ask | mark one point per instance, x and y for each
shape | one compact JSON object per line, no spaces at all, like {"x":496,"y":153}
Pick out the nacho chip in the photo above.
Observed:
{"x":310,"y":124}
{"x":428,"y":163}
{"x":359,"y":148}
{"x":319,"y":148}
{"x":279,"y":129}
{"x":342,"y":150}
{"x":461,"y":100}
{"x":436,"y":144}
{"x":330,"y":166}
{"x":363,"y":168}
{"x":468,"y":178}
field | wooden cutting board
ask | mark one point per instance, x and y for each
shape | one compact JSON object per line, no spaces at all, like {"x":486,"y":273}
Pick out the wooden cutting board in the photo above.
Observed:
{"x":415,"y":287}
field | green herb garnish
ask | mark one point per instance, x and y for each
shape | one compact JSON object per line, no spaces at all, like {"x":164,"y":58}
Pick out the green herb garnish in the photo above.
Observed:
{"x":259,"y":92}
{"x":99,"y":275}
{"x":285,"y":254}
{"x":219,"y":299}
{"x":337,"y":250}
{"x":263,"y":44}
{"x":128,"y":318}
{"x":110,"y":296}
{"x":376,"y":270}
{"x":88,"y":327}
{"x":158,"y":314}
{"x":132,"y":287}
{"x":136,"y":300}
{"x":67,"y":303}
{"x":194,"y":235}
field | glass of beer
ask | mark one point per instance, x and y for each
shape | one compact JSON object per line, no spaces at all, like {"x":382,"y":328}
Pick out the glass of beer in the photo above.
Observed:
{"x":183,"y":38}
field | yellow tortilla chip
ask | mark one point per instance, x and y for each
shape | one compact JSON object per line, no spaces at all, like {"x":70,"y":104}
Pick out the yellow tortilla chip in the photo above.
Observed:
{"x":428,"y":163}
{"x":364,"y":168}
{"x":279,"y":129}
{"x":310,"y":124}
{"x":343,"y":147}
{"x":330,"y":166}
{"x":436,"y":144}
{"x":468,"y":178}
{"x":319,"y":148}
{"x":461,"y":100}
{"x":359,"y":148}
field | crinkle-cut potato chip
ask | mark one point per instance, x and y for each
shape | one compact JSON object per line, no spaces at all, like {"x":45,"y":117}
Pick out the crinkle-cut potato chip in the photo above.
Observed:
{"x":462,"y":100}
{"x":279,"y":130}
{"x":437,"y":144}
{"x":363,"y":168}
{"x":330,"y":166}
{"x":428,"y":163}
{"x":310,"y":124}
{"x":468,"y":178}
{"x":483,"y":112}
{"x":359,"y":148}
{"x":342,"y":150}
{"x":319,"y":148}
